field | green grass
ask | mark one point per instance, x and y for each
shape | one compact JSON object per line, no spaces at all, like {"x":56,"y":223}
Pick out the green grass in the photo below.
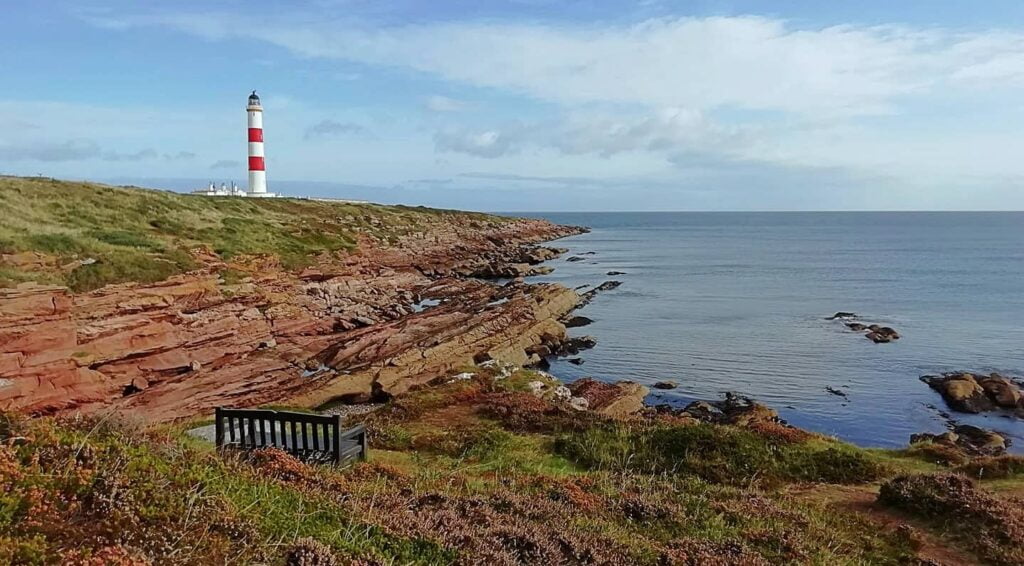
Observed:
{"x":144,"y":235}
{"x":446,"y":483}
{"x":87,"y":486}
{"x":720,"y":454}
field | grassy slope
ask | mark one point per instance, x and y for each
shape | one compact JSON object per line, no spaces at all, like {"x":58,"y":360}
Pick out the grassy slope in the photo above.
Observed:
{"x":475,"y":471}
{"x":144,"y":235}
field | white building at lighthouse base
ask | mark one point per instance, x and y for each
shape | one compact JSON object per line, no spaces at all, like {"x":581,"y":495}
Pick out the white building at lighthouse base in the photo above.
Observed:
{"x":233,"y":191}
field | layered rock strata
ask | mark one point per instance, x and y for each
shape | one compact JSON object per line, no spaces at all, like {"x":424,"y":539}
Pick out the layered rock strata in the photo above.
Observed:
{"x":372,"y":323}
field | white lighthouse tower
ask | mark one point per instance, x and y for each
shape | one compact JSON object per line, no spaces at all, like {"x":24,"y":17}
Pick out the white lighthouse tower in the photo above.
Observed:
{"x":257,"y":165}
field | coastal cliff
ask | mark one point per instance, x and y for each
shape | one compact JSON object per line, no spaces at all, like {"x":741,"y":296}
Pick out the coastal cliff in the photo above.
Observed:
{"x":246,"y":329}
{"x":127,"y":315}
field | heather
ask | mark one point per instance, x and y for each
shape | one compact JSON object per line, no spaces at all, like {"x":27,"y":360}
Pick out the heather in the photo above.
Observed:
{"x":473,"y":471}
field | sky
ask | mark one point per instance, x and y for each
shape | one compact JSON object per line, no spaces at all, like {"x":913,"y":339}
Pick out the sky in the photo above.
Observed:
{"x":530,"y":105}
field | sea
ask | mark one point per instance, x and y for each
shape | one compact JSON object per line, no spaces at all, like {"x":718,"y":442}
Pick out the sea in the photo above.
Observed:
{"x":737,"y":302}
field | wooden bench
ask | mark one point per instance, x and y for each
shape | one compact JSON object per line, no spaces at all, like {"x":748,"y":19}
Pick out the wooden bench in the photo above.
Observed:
{"x":308,"y":437}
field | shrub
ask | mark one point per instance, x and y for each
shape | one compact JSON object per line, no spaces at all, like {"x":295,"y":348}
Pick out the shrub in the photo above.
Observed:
{"x":127,"y":239}
{"x":310,"y":552}
{"x":721,"y":454}
{"x":55,"y":243}
{"x":997,"y":467}
{"x":832,"y":465}
{"x":993,"y":528}
{"x":935,"y":453}
{"x":121,"y":266}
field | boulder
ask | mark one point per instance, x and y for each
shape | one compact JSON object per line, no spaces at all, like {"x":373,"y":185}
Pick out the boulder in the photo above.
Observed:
{"x":842,"y":314}
{"x":967,"y":440}
{"x":665,"y":385}
{"x":734,"y":410}
{"x":579,"y":403}
{"x":536,"y":387}
{"x":616,"y":400}
{"x":961,"y":392}
{"x":1001,"y":390}
{"x":881,"y":334}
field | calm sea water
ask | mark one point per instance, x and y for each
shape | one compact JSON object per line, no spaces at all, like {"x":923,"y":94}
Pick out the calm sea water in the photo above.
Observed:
{"x":736,"y":302}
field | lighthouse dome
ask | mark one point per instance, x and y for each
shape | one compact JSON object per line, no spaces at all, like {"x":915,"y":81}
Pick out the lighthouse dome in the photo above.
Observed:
{"x":254,"y":100}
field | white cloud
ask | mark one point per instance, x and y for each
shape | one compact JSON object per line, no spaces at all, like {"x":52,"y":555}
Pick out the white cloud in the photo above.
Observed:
{"x":438,"y":103}
{"x":328,"y":128}
{"x":226,"y":164}
{"x":489,"y":143}
{"x":71,"y":150}
{"x":141,"y":155}
{"x":700,"y":63}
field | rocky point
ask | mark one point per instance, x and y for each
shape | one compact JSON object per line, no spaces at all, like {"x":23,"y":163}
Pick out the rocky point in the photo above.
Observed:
{"x":352,"y":326}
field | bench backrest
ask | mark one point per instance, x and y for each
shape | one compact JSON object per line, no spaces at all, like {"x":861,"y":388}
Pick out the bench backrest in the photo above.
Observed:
{"x":309,"y":437}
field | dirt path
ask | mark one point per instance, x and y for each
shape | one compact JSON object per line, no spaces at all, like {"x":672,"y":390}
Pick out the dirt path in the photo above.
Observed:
{"x":862,"y":500}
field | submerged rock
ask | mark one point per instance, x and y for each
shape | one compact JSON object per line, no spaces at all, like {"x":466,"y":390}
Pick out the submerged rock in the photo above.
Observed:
{"x":578,"y":321}
{"x":881,"y":334}
{"x":585,"y":298}
{"x":665,"y":385}
{"x":874,"y":332}
{"x":835,"y":391}
{"x":573,"y":346}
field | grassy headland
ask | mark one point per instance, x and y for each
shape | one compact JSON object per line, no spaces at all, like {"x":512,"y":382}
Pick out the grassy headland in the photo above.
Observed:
{"x":91,"y":235}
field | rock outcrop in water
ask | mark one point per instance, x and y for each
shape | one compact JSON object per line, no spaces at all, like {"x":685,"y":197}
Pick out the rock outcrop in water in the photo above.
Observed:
{"x":345,"y":328}
{"x":876,"y":333}
{"x":733,"y":410}
{"x":968,"y":393}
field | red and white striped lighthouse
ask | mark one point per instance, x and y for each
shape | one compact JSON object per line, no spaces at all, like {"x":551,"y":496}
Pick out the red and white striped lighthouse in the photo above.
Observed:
{"x":257,"y":166}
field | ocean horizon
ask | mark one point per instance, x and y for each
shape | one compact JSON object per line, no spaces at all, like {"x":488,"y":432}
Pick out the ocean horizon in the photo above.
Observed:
{"x":737,"y":302}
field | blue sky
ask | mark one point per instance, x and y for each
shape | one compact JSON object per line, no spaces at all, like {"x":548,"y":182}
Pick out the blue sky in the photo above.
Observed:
{"x":531,"y":104}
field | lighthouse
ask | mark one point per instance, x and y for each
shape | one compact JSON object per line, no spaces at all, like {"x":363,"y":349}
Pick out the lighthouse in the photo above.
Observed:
{"x":257,"y":166}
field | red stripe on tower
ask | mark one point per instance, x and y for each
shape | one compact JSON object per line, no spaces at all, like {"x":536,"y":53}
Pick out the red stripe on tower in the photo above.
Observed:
{"x":256,"y":164}
{"x":255,"y":134}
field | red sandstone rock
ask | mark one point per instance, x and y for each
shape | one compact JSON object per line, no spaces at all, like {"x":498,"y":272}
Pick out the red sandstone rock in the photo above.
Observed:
{"x":617,"y":400}
{"x":183,"y":346}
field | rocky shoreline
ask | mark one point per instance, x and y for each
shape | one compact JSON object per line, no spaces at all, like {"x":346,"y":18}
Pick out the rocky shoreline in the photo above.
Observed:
{"x":364,"y":325}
